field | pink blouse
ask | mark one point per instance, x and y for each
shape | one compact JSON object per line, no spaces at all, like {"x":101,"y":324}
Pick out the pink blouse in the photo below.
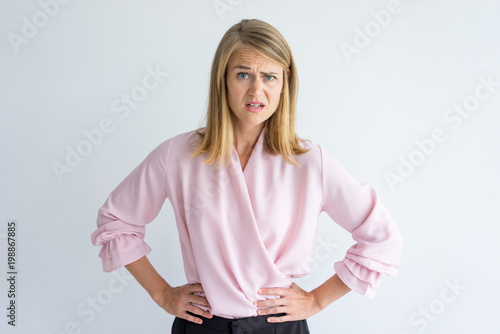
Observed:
{"x":243,"y":230}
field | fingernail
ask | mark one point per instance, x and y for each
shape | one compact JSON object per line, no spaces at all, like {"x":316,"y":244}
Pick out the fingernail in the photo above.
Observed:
{"x":260,"y":291}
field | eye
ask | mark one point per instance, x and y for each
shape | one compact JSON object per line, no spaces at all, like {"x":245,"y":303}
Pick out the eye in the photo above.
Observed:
{"x":270,"y":77}
{"x":242,"y":75}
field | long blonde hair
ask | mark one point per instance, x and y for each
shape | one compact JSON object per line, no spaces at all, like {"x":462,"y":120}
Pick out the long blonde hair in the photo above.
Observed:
{"x":280,"y":136}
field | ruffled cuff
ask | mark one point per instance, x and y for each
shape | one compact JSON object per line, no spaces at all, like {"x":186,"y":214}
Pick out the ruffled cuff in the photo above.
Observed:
{"x":119,"y":249}
{"x":358,"y":278}
{"x":112,"y":259}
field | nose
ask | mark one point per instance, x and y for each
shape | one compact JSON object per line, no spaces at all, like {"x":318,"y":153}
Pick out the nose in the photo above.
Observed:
{"x":256,"y":87}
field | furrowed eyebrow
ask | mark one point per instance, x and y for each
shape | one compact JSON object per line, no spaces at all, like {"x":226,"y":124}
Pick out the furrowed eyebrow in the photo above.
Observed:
{"x":242,"y":67}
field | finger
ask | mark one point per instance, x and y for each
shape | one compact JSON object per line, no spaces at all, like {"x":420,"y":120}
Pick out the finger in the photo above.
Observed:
{"x":202,"y":312}
{"x":199,"y":300}
{"x":280,"y":319}
{"x":273,"y":291}
{"x":207,"y":314}
{"x":191,"y":318}
{"x":198,"y":311}
{"x":195,"y":287}
{"x":271,"y":310}
{"x":271,"y":302}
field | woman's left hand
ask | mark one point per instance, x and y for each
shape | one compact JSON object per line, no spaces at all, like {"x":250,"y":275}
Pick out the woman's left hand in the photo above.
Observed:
{"x":297,"y":303}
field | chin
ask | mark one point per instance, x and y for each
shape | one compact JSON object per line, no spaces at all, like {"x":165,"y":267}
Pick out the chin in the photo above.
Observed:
{"x":255,"y":122}
{"x":249,"y":118}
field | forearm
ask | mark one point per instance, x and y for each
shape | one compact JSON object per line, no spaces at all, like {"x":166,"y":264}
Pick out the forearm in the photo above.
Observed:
{"x":144,"y":272}
{"x":175,"y":300}
{"x":330,"y":291}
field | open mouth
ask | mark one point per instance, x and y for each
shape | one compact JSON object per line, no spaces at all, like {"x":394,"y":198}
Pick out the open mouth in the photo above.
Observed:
{"x":255,"y":105}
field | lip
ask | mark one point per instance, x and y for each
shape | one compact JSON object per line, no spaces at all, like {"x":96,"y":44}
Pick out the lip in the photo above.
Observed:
{"x":255,"y":102}
{"x":254,"y":110}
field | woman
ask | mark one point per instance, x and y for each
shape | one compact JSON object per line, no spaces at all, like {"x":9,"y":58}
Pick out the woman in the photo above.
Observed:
{"x":247,"y":192}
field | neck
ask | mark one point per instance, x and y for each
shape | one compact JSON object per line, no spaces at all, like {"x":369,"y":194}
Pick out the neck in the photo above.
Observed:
{"x":245,"y":137}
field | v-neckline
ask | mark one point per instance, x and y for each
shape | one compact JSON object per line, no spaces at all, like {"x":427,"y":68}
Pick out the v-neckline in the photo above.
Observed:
{"x":258,"y":146}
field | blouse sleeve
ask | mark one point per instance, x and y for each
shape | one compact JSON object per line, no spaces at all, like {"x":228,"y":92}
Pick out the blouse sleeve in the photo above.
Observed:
{"x":135,"y":202}
{"x":356,"y":207}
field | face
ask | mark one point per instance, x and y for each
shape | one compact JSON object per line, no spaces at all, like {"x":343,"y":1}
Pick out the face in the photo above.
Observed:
{"x":254,"y":86}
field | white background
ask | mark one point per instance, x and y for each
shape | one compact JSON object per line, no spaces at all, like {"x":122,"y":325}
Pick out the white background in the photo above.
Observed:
{"x":367,"y":109}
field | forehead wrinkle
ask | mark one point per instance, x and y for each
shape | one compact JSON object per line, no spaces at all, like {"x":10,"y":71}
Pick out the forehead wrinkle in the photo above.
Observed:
{"x":251,"y":58}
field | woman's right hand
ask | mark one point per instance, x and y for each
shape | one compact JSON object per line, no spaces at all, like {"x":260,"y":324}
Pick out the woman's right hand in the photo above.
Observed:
{"x":178,"y":300}
{"x":175,"y":300}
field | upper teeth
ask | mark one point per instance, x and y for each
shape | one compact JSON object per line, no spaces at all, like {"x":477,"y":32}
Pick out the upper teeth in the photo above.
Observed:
{"x":255,"y":105}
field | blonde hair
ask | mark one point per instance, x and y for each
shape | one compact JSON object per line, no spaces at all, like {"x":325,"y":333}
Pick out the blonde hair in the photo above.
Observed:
{"x":280,"y":136}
